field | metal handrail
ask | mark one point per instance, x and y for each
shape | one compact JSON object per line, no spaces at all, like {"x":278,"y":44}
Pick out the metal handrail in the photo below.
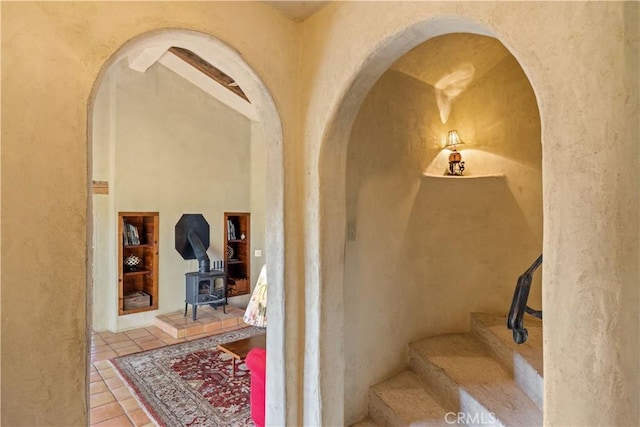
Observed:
{"x":519,"y":305}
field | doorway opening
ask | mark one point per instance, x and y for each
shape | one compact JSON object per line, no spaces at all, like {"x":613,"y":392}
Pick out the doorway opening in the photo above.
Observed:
{"x":423,"y":250}
{"x":159,"y":142}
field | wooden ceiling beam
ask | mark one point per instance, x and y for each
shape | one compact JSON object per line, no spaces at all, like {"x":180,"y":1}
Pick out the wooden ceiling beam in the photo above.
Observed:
{"x":209,"y":70}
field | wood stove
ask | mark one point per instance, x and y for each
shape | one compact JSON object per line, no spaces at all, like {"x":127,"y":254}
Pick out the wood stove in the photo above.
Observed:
{"x":192,"y":241}
{"x":202,"y":289}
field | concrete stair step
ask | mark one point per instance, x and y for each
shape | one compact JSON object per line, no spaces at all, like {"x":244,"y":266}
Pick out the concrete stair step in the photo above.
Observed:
{"x":402,"y":400}
{"x":522,"y":361}
{"x":463,"y":373}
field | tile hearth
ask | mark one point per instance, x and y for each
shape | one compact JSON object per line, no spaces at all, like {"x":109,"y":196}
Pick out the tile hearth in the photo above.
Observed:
{"x":111,"y":402}
{"x":210,"y":321}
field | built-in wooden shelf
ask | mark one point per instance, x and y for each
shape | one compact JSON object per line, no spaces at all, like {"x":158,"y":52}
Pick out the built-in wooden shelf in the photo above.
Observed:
{"x":492,"y":175}
{"x":138,"y":246}
{"x":133,"y":273}
{"x":485,"y":176}
{"x":138,"y":235}
{"x":238,"y":266}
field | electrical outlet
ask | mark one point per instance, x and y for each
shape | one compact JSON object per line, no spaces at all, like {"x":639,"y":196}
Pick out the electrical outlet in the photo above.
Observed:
{"x":257,"y":253}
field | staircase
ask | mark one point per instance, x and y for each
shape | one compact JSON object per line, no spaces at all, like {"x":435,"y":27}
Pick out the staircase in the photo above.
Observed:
{"x":480,"y":378}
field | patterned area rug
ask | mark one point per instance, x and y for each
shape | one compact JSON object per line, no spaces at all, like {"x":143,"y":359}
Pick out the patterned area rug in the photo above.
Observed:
{"x":190,"y":384}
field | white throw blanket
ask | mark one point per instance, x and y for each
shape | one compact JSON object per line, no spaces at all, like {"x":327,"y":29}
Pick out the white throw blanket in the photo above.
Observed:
{"x":256,"y":312}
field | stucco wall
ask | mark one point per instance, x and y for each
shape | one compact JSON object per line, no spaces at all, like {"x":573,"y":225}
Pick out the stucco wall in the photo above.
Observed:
{"x":52,"y":54}
{"x":430,"y":250}
{"x":385,"y":160}
{"x":567,"y":50}
{"x":258,"y":194}
{"x":498,"y":118}
{"x":582,"y":61}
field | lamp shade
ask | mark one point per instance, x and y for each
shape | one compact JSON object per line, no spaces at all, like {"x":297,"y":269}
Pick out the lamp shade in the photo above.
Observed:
{"x":256,"y":312}
{"x":453,"y":139}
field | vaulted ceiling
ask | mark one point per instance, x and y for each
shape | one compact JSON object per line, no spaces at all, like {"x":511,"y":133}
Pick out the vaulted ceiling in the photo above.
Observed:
{"x":439,"y":57}
{"x":208,"y":77}
{"x":193,"y":68}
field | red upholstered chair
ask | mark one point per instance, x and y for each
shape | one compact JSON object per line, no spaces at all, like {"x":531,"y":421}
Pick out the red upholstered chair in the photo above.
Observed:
{"x":256,"y":362}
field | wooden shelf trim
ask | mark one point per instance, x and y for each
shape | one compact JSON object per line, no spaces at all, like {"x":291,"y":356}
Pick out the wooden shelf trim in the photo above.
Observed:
{"x":135,"y":310}
{"x":132,"y":273}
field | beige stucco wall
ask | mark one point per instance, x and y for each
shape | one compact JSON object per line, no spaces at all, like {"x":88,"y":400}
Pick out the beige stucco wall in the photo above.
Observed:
{"x":257,"y":199}
{"x":52,"y":54}
{"x":573,"y":55}
{"x":582,"y":61}
{"x":175,"y":150}
{"x":429,"y":250}
{"x":499,"y":119}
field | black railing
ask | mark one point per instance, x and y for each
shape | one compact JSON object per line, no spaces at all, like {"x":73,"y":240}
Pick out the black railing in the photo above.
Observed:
{"x":519,"y":306}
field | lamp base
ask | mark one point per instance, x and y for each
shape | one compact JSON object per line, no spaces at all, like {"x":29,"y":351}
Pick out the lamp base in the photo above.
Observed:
{"x":455,"y":168}
{"x":456,"y":165}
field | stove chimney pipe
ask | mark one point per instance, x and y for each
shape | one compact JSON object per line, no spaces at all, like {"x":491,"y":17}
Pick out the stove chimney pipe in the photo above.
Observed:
{"x":192,"y":240}
{"x":199,"y":251}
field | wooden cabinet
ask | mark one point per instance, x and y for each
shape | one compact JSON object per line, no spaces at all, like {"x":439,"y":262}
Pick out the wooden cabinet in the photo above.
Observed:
{"x":137,"y":262}
{"x":237,"y":238}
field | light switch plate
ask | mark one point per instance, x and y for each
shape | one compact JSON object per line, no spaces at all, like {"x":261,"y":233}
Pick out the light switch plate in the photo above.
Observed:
{"x":351,"y":230}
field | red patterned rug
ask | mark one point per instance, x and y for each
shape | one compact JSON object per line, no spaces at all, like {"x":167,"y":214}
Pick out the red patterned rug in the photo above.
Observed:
{"x":190,"y":384}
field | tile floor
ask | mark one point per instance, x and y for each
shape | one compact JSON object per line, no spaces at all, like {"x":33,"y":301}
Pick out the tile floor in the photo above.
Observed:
{"x":111,"y":402}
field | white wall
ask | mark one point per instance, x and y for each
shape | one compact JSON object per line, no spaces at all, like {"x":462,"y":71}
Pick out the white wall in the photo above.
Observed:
{"x":176,"y":150}
{"x":431,"y":250}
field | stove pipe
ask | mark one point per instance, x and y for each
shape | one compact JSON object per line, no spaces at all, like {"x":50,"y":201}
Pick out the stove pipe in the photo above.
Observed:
{"x":199,"y":251}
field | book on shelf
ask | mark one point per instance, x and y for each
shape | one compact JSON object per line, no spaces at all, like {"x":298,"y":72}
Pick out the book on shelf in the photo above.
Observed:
{"x":130,"y":234}
{"x":231,"y":230}
{"x":125,"y":233}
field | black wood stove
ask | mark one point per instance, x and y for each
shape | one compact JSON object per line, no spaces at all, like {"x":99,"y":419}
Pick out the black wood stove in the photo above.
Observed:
{"x":202,"y":289}
{"x":192,"y":241}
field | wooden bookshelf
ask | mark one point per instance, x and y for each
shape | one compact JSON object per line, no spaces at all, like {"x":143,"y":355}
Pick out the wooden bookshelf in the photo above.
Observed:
{"x":237,"y":254}
{"x":137,"y":283}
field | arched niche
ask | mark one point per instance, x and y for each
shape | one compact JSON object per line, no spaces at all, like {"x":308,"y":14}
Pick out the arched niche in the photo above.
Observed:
{"x":332,"y":195}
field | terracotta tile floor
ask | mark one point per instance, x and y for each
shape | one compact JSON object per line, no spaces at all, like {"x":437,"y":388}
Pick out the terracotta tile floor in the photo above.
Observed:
{"x":111,"y":402}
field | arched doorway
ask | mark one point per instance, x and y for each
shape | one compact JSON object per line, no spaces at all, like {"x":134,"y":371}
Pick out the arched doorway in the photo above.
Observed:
{"x":267,"y":125}
{"x":342,"y":204}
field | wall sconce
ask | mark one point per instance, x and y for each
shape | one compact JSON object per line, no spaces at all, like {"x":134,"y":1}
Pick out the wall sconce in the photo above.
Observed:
{"x":456,"y":165}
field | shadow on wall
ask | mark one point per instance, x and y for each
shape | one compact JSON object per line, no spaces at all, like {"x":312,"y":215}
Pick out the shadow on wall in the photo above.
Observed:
{"x":523,"y":179}
{"x":466,"y":242}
